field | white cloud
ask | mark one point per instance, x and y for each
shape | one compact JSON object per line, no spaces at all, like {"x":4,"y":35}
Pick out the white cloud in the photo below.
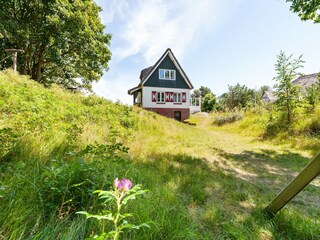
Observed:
{"x":112,"y":8}
{"x":153,"y":26}
{"x":146,"y":28}
{"x":115,"y":90}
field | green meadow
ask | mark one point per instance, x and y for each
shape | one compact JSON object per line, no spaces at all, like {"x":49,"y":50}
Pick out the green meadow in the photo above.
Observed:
{"x":204,"y":181}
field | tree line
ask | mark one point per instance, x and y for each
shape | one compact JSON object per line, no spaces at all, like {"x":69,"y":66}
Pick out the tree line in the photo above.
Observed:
{"x":63,"y":41}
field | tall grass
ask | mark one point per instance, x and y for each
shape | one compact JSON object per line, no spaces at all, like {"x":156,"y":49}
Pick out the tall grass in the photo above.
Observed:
{"x":57,"y":147}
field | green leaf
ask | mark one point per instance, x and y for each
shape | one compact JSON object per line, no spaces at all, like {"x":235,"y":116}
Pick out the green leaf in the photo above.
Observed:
{"x":132,"y":226}
{"x":82,"y":212}
{"x":132,"y":196}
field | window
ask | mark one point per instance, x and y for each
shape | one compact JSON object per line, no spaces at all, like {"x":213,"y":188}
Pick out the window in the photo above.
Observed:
{"x":160,"y":97}
{"x":177,"y":97}
{"x":167,"y":74}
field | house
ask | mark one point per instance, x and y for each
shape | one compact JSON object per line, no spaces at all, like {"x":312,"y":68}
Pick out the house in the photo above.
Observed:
{"x":305,"y":81}
{"x":164,"y":88}
{"x":268,"y":96}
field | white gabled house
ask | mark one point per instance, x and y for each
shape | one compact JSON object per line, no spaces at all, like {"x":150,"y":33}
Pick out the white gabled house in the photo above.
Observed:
{"x":164,"y":88}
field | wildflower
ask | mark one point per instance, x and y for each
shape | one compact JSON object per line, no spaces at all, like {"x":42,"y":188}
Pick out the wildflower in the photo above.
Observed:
{"x":124,"y":184}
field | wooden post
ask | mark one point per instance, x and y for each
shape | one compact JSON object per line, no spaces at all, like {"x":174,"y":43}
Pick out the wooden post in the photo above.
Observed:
{"x":14,"y":53}
{"x":310,"y":172}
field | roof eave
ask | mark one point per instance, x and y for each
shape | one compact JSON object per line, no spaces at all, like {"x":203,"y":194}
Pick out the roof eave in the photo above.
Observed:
{"x":132,"y":90}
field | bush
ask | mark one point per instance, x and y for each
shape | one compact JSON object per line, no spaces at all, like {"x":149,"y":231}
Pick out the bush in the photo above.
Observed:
{"x":313,"y":128}
{"x":227,"y":118}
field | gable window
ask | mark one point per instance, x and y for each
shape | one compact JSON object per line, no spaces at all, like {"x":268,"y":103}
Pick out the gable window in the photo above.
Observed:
{"x":167,"y":74}
{"x":160,"y":96}
{"x":177,"y":97}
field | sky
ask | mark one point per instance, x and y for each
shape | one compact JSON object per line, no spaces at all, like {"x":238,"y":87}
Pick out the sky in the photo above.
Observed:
{"x":217,"y":42}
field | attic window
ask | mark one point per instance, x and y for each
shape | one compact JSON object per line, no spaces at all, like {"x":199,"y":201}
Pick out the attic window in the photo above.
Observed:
{"x":167,"y":74}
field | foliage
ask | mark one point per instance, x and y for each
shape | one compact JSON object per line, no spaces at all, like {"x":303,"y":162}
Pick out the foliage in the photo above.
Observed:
{"x":208,"y":103}
{"x":8,"y":140}
{"x":287,"y":94}
{"x":264,"y":89}
{"x":312,"y":94}
{"x":42,"y":122}
{"x":205,"y":181}
{"x":237,"y":97}
{"x":63,"y":41}
{"x":274,"y":125}
{"x":227,"y":118}
{"x":208,"y":99}
{"x":201,"y":92}
{"x":118,"y":197}
{"x":307,"y":10}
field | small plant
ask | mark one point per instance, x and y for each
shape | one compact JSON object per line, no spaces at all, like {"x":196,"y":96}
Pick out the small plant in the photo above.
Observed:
{"x":118,"y":197}
{"x":227,"y":118}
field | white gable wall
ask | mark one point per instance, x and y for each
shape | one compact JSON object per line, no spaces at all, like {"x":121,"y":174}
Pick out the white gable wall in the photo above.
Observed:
{"x":147,"y":98}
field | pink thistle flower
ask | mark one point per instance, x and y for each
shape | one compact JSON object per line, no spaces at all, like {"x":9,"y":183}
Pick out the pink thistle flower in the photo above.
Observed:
{"x":124,"y":185}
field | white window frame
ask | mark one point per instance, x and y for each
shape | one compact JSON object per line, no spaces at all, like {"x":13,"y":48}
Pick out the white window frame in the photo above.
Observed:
{"x":171,"y":74}
{"x":177,"y":97}
{"x":161,"y":97}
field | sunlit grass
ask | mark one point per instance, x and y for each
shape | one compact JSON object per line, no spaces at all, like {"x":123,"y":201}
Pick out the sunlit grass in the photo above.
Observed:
{"x":204,"y":181}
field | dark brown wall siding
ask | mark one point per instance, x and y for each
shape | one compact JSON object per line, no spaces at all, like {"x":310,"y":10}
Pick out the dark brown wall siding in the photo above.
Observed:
{"x":169,"y":112}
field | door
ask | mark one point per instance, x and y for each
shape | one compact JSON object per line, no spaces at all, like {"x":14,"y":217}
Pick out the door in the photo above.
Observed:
{"x":177,"y":115}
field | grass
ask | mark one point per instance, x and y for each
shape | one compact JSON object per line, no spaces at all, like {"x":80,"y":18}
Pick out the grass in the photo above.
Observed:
{"x":204,"y":181}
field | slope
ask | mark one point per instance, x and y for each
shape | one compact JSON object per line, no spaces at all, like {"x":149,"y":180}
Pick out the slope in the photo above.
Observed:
{"x":57,"y":147}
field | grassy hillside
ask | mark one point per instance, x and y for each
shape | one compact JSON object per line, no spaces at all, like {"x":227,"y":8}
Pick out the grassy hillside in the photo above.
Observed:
{"x":304,"y":133}
{"x":57,"y":147}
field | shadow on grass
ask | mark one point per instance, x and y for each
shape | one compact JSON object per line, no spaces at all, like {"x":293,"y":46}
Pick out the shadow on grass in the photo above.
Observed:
{"x":193,"y":198}
{"x":211,"y":200}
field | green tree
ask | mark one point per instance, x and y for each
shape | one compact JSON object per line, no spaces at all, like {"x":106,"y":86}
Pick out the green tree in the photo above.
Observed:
{"x":196,"y":93}
{"x":264,"y":89}
{"x":312,"y":94}
{"x":201,"y":92}
{"x":63,"y":41}
{"x":204,"y":91}
{"x":287,"y":94}
{"x":209,"y":103}
{"x":306,"y":9}
{"x":238,"y":96}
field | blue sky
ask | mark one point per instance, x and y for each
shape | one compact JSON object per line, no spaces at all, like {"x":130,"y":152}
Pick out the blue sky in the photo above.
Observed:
{"x":217,"y":42}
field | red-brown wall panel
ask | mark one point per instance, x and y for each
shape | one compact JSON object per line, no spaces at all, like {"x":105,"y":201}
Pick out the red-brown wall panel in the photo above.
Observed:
{"x":169,"y":112}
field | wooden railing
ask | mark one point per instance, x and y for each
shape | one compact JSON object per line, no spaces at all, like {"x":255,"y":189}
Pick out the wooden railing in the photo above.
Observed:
{"x":310,"y":172}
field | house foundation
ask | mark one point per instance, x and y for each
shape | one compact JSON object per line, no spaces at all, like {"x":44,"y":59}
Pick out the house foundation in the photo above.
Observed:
{"x":179,"y":114}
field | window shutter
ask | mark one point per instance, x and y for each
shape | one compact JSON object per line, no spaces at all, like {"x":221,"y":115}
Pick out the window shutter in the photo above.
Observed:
{"x":171,"y":96}
{"x":184,"y":97}
{"x":167,"y":96}
{"x":154,"y":96}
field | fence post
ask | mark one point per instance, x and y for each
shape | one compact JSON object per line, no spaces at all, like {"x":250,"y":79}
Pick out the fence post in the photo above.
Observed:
{"x":310,"y":172}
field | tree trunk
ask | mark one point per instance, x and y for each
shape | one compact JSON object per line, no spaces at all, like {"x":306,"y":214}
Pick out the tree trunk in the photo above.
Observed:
{"x":37,"y":69}
{"x":288,"y":112}
{"x":28,"y":54}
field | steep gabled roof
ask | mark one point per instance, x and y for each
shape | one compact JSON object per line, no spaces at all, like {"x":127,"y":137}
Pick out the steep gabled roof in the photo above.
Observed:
{"x":150,"y":70}
{"x":306,"y":80}
{"x":268,"y":96}
{"x":144,"y":73}
{"x":147,"y":72}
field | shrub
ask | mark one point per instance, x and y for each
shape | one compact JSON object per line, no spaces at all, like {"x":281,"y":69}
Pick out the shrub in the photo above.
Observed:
{"x":313,"y":128}
{"x":227,"y":118}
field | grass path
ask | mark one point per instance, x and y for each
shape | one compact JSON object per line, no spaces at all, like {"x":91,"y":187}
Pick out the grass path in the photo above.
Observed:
{"x":227,"y":179}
